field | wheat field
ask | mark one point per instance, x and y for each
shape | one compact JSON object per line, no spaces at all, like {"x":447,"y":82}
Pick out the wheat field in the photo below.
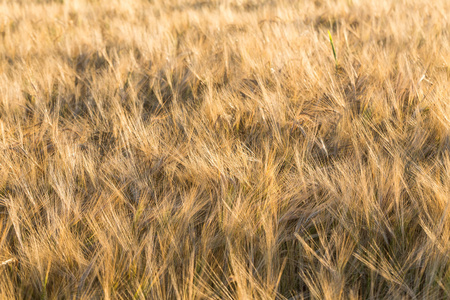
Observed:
{"x":227,"y":149}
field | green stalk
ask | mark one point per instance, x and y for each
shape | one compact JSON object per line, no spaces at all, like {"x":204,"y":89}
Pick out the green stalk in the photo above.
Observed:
{"x":334,"y":51}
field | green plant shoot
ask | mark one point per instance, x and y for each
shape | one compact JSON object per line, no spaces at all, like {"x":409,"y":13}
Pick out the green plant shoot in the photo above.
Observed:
{"x":332,"y":46}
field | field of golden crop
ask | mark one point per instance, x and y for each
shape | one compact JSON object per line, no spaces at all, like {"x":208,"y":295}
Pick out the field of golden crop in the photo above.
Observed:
{"x":190,"y":149}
